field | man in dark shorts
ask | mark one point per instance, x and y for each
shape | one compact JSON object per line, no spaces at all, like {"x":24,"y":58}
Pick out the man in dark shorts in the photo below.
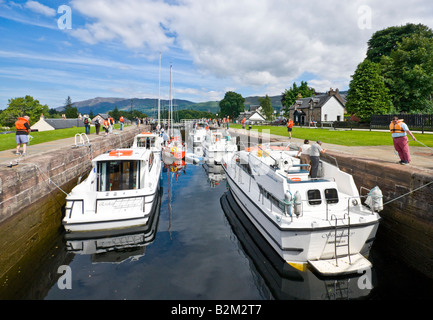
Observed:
{"x":22,"y":135}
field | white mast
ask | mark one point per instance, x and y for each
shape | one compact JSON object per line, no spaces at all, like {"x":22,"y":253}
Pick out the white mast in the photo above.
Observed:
{"x":159,"y":94}
{"x":170,"y":106}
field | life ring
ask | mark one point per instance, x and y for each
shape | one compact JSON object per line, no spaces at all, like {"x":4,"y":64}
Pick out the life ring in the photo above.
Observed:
{"x":174,"y":149}
{"x":295,"y":179}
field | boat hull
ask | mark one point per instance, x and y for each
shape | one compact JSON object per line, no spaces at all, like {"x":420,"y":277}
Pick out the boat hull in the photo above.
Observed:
{"x":299,"y":243}
{"x":120,"y":192}
{"x":137,"y":214}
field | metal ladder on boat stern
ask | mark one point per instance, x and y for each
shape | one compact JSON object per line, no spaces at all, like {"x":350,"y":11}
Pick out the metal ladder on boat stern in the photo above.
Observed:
{"x":339,"y":237}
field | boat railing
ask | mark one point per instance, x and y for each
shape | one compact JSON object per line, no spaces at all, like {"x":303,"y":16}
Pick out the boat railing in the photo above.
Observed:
{"x":335,"y":159}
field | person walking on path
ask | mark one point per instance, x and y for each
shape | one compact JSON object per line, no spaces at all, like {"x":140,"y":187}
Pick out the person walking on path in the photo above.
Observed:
{"x":122,"y":122}
{"x":22,"y":134}
{"x":289,"y":127}
{"x":97,"y":126}
{"x":86,"y":122}
{"x":399,"y":131}
{"x":315,"y":151}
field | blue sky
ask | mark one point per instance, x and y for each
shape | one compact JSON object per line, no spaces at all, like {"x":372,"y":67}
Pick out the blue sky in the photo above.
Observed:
{"x":252,"y":47}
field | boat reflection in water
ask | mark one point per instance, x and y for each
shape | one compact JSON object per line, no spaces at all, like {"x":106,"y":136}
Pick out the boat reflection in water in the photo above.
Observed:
{"x":214,"y":172}
{"x":284,"y":281}
{"x":116,"y":245}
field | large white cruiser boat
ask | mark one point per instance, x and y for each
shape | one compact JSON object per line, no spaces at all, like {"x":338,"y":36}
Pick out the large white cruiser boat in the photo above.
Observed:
{"x":216,"y":144}
{"x":318,"y":222}
{"x":119,"y":192}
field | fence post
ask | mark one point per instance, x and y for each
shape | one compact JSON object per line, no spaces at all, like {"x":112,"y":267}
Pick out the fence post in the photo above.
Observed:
{"x":422,"y":123}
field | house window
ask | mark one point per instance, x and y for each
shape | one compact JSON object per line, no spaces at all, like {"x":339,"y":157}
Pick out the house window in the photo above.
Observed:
{"x":314,"y":197}
{"x":338,"y":118}
{"x":326,"y":117}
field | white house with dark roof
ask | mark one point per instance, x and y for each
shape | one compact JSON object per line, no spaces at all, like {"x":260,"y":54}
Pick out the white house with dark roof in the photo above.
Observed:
{"x":45,"y":124}
{"x":254,"y":116}
{"x":321,"y":108}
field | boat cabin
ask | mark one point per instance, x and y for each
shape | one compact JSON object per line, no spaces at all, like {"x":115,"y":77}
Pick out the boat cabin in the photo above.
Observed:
{"x":147,"y":141}
{"x":122,"y":170}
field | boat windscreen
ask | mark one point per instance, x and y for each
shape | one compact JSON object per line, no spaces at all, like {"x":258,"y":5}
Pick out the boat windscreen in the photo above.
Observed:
{"x":118,"y":175}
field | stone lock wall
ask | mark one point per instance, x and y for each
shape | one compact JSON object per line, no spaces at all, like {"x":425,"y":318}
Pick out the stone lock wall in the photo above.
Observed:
{"x":36,"y":177}
{"x":31,"y":202}
{"x":406,"y":226}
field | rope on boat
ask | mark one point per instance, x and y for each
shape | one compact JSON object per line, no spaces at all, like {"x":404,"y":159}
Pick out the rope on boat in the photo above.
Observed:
{"x":403,"y":195}
{"x":48,"y":178}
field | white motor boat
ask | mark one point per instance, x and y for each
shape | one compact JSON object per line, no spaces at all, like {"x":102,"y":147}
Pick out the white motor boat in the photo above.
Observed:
{"x":319,"y":222}
{"x":198,"y":132}
{"x":148,"y":140}
{"x":119,"y":191}
{"x":216,"y":144}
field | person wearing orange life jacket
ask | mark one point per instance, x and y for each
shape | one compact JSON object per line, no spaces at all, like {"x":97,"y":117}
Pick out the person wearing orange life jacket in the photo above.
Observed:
{"x":122,"y":122}
{"x":399,"y":132}
{"x":289,"y":127}
{"x":106,"y":126}
{"x":243,"y":123}
{"x":22,"y":134}
{"x":111,"y":122}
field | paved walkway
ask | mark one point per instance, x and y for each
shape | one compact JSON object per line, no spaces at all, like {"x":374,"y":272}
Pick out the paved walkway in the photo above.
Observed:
{"x":34,"y":149}
{"x":422,"y":157}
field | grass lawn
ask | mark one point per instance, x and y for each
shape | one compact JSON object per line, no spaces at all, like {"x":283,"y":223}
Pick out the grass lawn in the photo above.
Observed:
{"x":7,"y":141}
{"x":343,"y":136}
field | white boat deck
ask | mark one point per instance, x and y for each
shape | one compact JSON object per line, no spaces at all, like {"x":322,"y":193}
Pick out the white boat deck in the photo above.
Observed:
{"x":356,"y":263}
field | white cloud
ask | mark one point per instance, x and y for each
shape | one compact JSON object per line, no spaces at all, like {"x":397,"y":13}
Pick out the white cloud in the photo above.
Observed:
{"x":253,"y":47}
{"x":136,"y":24}
{"x":40,"y":8}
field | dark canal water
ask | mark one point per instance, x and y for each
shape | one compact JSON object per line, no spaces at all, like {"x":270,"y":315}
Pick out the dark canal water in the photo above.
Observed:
{"x":200,"y":250}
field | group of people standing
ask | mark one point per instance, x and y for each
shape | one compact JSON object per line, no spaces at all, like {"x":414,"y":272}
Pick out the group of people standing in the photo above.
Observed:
{"x":107,"y":124}
{"x":310,"y":154}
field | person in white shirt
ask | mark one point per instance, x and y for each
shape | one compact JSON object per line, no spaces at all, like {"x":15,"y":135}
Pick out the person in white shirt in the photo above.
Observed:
{"x":304,"y":151}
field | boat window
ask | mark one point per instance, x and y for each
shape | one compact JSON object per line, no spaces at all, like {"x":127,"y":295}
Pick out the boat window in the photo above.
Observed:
{"x":331,"y":195}
{"x":246,"y":167}
{"x":118,"y":175}
{"x":145,"y":142}
{"x":314,"y":197}
{"x":151,"y":161}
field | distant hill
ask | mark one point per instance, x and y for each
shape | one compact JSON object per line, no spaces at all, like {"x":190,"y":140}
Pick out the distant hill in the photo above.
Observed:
{"x":150,"y":106}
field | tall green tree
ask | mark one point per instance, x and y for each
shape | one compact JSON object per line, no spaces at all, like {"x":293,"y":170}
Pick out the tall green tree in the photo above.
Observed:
{"x":266,"y":105}
{"x":232,"y":105}
{"x":70,"y":111}
{"x":368,"y":93}
{"x":290,"y":95}
{"x":22,"y":106}
{"x":409,"y":74}
{"x":115,"y":113}
{"x":383,"y":42}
